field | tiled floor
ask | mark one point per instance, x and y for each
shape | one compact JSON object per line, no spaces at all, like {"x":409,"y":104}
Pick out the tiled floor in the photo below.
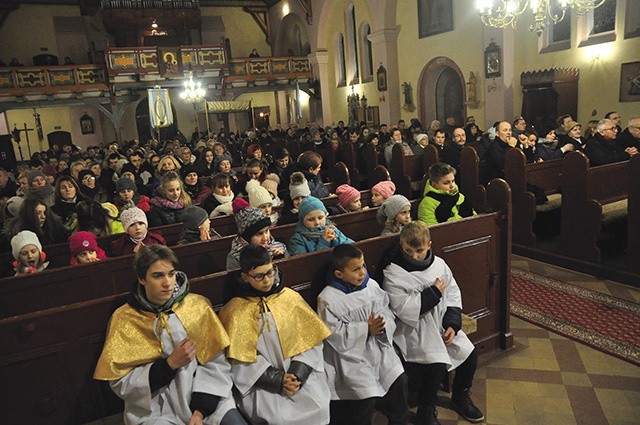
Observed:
{"x":546,"y":378}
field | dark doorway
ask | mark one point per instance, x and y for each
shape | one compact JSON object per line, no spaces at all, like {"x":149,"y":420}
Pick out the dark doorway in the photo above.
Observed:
{"x":59,"y":138}
{"x":261,"y":116}
{"x":540,"y":107}
{"x":449,"y":96}
{"x":143,"y":123}
{"x":7,"y":155}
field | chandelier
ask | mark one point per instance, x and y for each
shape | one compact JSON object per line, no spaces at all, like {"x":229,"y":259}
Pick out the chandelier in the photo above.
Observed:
{"x":193,"y":92}
{"x":504,"y":13}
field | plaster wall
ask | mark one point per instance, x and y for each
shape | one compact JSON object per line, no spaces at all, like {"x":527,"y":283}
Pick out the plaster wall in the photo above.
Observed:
{"x":241,"y":29}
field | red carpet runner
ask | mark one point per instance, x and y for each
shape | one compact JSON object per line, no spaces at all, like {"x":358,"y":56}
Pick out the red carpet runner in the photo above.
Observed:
{"x":601,"y":321}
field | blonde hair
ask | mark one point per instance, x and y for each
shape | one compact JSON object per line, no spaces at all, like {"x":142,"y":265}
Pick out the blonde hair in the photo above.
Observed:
{"x":168,"y":178}
{"x":170,"y":158}
{"x":415,"y":234}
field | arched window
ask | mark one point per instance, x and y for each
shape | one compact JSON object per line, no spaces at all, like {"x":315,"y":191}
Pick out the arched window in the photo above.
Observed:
{"x":297,"y":39}
{"x":366,"y":57}
{"x":341,"y":68}
{"x":354,"y":69}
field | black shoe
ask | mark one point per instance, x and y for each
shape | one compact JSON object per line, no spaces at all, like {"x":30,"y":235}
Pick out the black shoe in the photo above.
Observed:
{"x":461,"y":403}
{"x":427,"y":416}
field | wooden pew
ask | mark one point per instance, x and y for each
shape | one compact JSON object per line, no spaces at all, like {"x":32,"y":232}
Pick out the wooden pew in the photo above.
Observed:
{"x":351,"y":160}
{"x":48,"y":356}
{"x":546,"y":175}
{"x":633,"y":211}
{"x":472,"y":172}
{"x":71,"y":284}
{"x":591,"y":196}
{"x":59,"y":255}
{"x":409,"y":172}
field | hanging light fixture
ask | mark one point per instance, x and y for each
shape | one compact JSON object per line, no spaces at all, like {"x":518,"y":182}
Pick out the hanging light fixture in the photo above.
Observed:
{"x":193,"y":91}
{"x":504,"y":13}
{"x":154,"y":24}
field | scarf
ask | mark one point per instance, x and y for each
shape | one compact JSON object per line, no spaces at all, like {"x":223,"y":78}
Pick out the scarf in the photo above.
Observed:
{"x":313,"y":234}
{"x":348,"y":288}
{"x":138,"y":297}
{"x":398,"y":256}
{"x":223,"y":199}
{"x":194,"y":190}
{"x":160,"y":202}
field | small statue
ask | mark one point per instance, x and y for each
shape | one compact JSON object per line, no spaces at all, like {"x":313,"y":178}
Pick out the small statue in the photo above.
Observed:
{"x":408,"y":97}
{"x":472,"y":96}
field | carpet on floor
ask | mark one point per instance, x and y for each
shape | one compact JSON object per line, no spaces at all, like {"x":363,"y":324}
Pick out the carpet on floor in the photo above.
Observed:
{"x":606,"y":323}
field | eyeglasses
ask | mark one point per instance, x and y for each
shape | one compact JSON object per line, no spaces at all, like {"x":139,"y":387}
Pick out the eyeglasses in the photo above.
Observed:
{"x":88,"y":178}
{"x":260,"y":276}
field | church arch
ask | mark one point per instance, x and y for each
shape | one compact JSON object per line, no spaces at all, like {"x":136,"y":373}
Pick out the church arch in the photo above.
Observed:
{"x":441,"y":92}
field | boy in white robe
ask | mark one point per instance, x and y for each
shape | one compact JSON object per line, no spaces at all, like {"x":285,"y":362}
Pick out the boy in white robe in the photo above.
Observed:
{"x":427,"y":303}
{"x":275,"y":347}
{"x":164,"y":351}
{"x":362,"y":367}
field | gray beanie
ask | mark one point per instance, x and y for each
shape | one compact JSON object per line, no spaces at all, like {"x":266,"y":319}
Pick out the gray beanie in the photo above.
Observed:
{"x":193,"y":217}
{"x":391,"y":207}
{"x":126,"y":183}
{"x":218,"y":160}
{"x":22,"y":239}
{"x":250,"y":221}
{"x":13,"y":204}
{"x":299,"y":186}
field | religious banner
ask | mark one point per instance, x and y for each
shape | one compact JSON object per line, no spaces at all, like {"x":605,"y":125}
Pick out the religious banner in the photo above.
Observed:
{"x":169,"y":62}
{"x":160,"y":114}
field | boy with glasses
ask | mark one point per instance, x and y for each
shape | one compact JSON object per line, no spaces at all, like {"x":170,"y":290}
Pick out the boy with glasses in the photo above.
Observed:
{"x":276,"y":346}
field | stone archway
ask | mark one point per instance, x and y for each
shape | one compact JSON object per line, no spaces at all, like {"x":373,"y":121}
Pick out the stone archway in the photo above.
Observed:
{"x":441,"y":92}
{"x":292,"y":37}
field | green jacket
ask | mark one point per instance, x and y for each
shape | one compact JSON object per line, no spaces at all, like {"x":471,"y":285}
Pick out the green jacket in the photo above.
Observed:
{"x":439,"y":206}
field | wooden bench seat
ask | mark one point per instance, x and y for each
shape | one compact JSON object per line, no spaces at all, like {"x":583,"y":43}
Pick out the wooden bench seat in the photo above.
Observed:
{"x":408,"y":171}
{"x":48,"y":356}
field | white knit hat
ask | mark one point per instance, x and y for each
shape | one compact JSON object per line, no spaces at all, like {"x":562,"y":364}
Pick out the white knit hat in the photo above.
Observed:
{"x":131,"y":216}
{"x":22,"y":239}
{"x":258,"y":195}
{"x":299,"y":186}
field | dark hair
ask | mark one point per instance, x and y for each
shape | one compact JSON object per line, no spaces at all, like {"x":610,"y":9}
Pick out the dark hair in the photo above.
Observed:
{"x":113,"y":155}
{"x":309,"y":159}
{"x":252,"y":256}
{"x":608,"y":114}
{"x":280,"y":153}
{"x":439,"y":170}
{"x":66,"y":178}
{"x":253,"y":162}
{"x":53,"y":231}
{"x":219,"y":180}
{"x":441,"y":131}
{"x":147,"y":255}
{"x":342,"y":254}
{"x":93,"y":218}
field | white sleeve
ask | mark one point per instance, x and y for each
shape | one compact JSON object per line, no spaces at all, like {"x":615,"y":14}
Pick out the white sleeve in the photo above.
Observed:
{"x":347,"y":338}
{"x":134,"y":387}
{"x":214,"y":377}
{"x":404,"y":300}
{"x":245,"y":375}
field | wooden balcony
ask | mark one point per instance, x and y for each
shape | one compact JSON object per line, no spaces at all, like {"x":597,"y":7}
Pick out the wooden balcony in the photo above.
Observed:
{"x":262,"y":71}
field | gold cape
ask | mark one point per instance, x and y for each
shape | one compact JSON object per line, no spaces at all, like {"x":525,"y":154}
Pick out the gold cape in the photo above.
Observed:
{"x":132,"y":342}
{"x":299,"y":327}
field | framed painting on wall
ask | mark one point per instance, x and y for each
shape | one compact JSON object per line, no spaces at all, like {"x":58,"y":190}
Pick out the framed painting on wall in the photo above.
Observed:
{"x":630,"y":82}
{"x":434,"y":17}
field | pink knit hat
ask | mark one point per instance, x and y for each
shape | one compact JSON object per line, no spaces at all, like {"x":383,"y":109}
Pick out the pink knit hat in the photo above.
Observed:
{"x":347,"y":194}
{"x":385,"y":188}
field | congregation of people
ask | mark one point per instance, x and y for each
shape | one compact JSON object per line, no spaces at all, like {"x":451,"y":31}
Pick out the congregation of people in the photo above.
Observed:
{"x":267,"y":357}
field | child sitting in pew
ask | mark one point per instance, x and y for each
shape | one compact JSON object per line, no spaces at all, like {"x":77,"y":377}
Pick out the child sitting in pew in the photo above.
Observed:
{"x":349,"y":199}
{"x":314,"y":230}
{"x":361,"y":365}
{"x":136,"y":235}
{"x":127,"y":196}
{"x":426,"y":300}
{"x":260,"y":198}
{"x":164,"y":350}
{"x":27,"y":251}
{"x":253,"y":229}
{"x":394,"y":213}
{"x":219,"y":202}
{"x":381,"y":191}
{"x":84,"y":248}
{"x":196,"y":226}
{"x":442,"y":200}
{"x":275,"y":346}
{"x":298,"y":190}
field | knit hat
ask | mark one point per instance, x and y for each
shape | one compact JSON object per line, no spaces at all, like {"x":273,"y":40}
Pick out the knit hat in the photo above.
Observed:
{"x":347,"y":194}
{"x":238,"y":204}
{"x":187,"y":169}
{"x":391,"y":207}
{"x":308,"y":204}
{"x":32,"y":174}
{"x":251,"y":134}
{"x":83,"y":173}
{"x":125,"y":183}
{"x":22,"y":239}
{"x":218,"y":160}
{"x":569,"y":126}
{"x":420,"y":137}
{"x":250,"y":221}
{"x":271,"y":183}
{"x":193,"y":217}
{"x":131,"y":216}
{"x":385,"y":188}
{"x":13,"y":204}
{"x":258,"y":195}
{"x":299,"y":186}
{"x":83,"y":241}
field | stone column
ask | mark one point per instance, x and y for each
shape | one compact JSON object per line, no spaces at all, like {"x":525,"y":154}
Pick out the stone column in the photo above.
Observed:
{"x":319,"y":60}
{"x":498,"y":91}
{"x":385,"y":51}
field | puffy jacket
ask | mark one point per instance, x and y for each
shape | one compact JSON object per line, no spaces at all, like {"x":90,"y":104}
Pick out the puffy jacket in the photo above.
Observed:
{"x":439,"y":206}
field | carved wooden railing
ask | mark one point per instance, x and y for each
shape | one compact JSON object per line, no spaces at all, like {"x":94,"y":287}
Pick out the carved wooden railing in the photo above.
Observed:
{"x":268,"y":68}
{"x":25,"y":80}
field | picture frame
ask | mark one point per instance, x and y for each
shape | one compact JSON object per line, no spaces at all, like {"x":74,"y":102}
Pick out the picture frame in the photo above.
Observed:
{"x":492,"y":61}
{"x":86,"y":124}
{"x":630,"y":82}
{"x":382,"y":78}
{"x":434,"y":17}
